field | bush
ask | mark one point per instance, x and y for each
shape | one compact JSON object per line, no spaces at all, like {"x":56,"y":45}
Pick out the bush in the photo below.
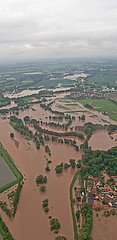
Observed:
{"x":45,"y":205}
{"x":42,"y":188}
{"x":46,"y":209}
{"x":47,"y":168}
{"x":60,"y":238}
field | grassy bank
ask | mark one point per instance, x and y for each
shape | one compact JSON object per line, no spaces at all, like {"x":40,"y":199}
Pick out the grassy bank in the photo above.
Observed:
{"x":72,"y":206}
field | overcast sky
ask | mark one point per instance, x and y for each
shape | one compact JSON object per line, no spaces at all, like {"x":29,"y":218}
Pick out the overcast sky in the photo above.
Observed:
{"x":35,"y":29}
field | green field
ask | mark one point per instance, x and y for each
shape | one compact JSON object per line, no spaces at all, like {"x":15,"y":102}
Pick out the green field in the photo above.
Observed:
{"x":108,"y":79}
{"x":102,"y":105}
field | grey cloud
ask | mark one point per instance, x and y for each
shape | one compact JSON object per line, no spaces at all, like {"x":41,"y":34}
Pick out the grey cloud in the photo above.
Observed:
{"x":32,"y":29}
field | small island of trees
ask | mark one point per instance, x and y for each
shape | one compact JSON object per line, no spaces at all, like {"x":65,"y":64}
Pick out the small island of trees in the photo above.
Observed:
{"x":40,"y":179}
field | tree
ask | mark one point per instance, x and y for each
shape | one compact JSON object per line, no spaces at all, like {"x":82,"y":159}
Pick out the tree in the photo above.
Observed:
{"x":41,"y":179}
{"x":83,"y":117}
{"x":12,"y":135}
{"x":59,"y":168}
{"x":47,"y":168}
{"x":54,"y":224}
{"x":77,"y":214}
{"x":66,"y":165}
{"x":72,"y":163}
{"x":26,"y":119}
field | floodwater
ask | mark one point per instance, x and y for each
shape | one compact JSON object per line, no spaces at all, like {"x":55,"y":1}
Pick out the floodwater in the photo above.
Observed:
{"x":77,"y":109}
{"x":23,"y":93}
{"x":61,"y":89}
{"x":105,"y":228}
{"x":39,"y":114}
{"x":30,"y":221}
{"x":30,"y":92}
{"x":100,"y":140}
{"x":6,"y":174}
{"x":77,"y":75}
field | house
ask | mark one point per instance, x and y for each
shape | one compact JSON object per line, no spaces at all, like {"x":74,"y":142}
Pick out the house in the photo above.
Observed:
{"x":104,"y":196}
{"x":96,"y":197}
{"x":114,"y":204}
{"x":88,"y":189}
{"x":111,"y":195}
{"x":115,"y":178}
{"x":94,"y":190}
{"x":116,"y":186}
{"x":101,"y":196}
{"x":90,"y":199}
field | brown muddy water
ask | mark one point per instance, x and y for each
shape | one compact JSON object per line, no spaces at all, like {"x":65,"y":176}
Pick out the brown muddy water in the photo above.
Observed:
{"x":100,"y":140}
{"x":104,"y":228}
{"x":77,"y":109}
{"x":30,"y":221}
{"x":39,"y":114}
{"x":23,"y":93}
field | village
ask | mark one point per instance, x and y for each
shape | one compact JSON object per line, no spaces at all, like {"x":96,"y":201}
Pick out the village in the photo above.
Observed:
{"x":100,"y":195}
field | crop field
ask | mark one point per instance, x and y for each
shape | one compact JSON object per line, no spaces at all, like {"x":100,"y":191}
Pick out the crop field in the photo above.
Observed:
{"x":108,"y":79}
